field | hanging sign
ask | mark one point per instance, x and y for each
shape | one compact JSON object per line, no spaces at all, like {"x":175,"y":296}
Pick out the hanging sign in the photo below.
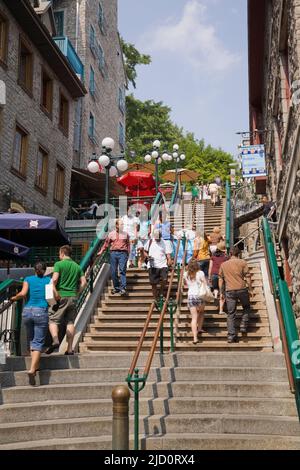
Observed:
{"x":253,"y":161}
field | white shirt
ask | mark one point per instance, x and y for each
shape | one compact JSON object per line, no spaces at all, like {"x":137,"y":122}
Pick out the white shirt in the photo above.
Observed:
{"x":129,"y":225}
{"x":194,"y":285}
{"x":91,"y":209}
{"x":213,"y":188}
{"x":158,"y":251}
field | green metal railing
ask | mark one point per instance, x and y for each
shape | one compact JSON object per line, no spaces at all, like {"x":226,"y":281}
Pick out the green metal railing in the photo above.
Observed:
{"x":10,"y":322}
{"x":289,"y":333}
{"x":174,"y":198}
{"x":228,"y":217}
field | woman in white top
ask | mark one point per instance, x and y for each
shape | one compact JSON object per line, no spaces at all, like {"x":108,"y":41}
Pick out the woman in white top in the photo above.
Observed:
{"x":193,"y":278}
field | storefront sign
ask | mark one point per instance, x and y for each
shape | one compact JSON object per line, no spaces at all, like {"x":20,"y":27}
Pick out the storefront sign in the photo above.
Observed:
{"x":253,"y":161}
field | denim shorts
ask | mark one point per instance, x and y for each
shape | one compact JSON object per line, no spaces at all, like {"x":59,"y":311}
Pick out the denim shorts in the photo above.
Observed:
{"x":36,"y":321}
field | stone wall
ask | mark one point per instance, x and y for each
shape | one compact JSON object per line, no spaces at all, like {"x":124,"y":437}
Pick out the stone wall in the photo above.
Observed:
{"x":104,"y":105}
{"x":281,"y":118}
{"x":25,"y":110}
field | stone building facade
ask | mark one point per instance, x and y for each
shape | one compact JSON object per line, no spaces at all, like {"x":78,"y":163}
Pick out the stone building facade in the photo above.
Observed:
{"x":37,"y":119}
{"x":92,"y":27}
{"x":274,"y":83}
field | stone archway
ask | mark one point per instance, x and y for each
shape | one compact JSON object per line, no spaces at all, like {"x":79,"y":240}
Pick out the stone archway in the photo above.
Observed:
{"x":15,"y":207}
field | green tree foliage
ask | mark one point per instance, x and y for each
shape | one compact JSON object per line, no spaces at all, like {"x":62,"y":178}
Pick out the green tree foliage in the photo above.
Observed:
{"x":148,"y":121}
{"x":132,"y":58}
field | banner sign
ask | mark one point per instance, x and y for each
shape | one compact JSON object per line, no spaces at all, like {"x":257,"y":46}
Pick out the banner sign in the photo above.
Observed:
{"x":253,"y":161}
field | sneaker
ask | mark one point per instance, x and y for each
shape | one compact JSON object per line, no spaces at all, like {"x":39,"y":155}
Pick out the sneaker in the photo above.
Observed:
{"x":115,"y":291}
{"x":53,"y":348}
{"x":232,"y":339}
{"x":123,"y":292}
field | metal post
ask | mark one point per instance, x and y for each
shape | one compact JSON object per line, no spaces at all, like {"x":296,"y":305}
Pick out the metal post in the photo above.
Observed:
{"x":136,"y":410}
{"x":171,"y":311}
{"x":156,"y":175}
{"x":120,"y":428}
{"x":106,"y":191}
{"x":161,"y":338}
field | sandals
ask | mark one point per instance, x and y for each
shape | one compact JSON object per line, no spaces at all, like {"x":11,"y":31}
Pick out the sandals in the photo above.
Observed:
{"x":196,"y":342}
{"x":69,"y":353}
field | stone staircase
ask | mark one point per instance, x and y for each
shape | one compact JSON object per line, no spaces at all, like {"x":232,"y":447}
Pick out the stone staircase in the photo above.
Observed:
{"x":211,"y":396}
{"x":192,"y":401}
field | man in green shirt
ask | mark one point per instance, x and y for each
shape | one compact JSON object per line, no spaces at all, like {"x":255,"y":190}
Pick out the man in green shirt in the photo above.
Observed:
{"x":68,"y":281}
{"x":195,"y":192}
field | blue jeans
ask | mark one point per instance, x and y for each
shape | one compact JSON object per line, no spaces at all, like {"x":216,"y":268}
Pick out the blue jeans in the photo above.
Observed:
{"x":36,"y":321}
{"x":118,"y":262}
{"x":204,"y":266}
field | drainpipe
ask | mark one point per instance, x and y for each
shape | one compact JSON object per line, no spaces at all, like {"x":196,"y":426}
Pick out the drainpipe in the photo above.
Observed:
{"x":77,"y":25}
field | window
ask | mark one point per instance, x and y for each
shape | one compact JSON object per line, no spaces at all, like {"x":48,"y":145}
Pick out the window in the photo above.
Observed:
{"x":3,"y":38}
{"x":121,"y":135}
{"x":59,"y":17}
{"x":64,"y":114}
{"x":101,"y":58}
{"x":92,"y":81}
{"x":41,"y":177}
{"x":101,"y":17}
{"x":91,"y":126}
{"x":59,"y":184}
{"x":25,"y":67}
{"x":122,"y":104}
{"x":46,"y":92}
{"x":92,"y":40}
{"x":19,"y":162}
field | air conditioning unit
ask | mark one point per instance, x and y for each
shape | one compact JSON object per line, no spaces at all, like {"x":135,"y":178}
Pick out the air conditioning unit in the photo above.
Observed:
{"x":2,"y":94}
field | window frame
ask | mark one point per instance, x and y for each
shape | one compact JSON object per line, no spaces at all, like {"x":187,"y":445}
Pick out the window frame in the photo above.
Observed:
{"x":23,"y":157}
{"x":92,"y":43}
{"x":44,"y":176}
{"x":121,"y":141}
{"x":91,"y":119}
{"x":61,"y":124}
{"x":58,"y":202}
{"x":26,"y":88}
{"x":48,"y":112}
{"x":101,"y":17}
{"x":63,"y":14}
{"x":92,"y":74}
{"x":5,"y":21}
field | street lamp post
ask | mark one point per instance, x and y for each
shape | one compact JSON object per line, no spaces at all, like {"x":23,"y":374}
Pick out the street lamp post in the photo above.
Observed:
{"x":164,"y":157}
{"x":112,"y":164}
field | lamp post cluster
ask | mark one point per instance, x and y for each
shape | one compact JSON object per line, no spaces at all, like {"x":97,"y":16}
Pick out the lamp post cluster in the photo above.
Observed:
{"x":112,"y":164}
{"x":166,"y":157}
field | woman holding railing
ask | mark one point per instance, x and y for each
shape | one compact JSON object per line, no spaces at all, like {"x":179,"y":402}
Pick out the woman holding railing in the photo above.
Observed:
{"x":35,"y":314}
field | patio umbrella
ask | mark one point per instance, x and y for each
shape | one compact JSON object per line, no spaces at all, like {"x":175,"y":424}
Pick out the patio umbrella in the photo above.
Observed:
{"x":32,"y":230}
{"x":185,"y":175}
{"x":137,"y":180}
{"x":143,"y":193}
{"x":148,"y":167}
{"x":10,"y":250}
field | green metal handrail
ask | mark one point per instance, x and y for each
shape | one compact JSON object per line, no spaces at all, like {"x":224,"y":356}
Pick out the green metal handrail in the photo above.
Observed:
{"x":10,"y":333}
{"x":174,"y":196}
{"x":281,"y":293}
{"x":228,"y":217}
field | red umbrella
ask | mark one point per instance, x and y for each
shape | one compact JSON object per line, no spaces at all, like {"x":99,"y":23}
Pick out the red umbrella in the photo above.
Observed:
{"x":143,"y":193}
{"x":137,"y":181}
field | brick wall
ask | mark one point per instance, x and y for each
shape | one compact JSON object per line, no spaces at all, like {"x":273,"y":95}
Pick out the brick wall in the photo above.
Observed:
{"x":105,"y":105}
{"x":281,"y":118}
{"x":21,"y":108}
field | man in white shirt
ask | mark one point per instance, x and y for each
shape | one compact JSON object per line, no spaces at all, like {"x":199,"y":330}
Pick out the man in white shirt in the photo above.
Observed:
{"x":91,"y":213}
{"x":213,"y":191}
{"x":131,"y":225}
{"x":159,"y":258}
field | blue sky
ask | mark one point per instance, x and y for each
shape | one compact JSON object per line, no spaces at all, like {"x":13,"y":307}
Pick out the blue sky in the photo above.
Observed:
{"x":199,"y":62}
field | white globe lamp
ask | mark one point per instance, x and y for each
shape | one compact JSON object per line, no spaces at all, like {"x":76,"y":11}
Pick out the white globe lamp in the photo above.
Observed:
{"x":104,"y":161}
{"x":176,"y":147}
{"x":108,"y":143}
{"x":175,"y":155}
{"x":148,"y":158}
{"x":122,"y":165}
{"x":155,"y":154}
{"x":165,"y":157}
{"x":182,"y":157}
{"x":113,"y":171}
{"x":156,"y":144}
{"x":159,"y":160}
{"x":93,"y":167}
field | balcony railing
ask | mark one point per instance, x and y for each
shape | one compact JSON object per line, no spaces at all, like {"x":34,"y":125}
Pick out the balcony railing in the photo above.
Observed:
{"x":68,"y":50}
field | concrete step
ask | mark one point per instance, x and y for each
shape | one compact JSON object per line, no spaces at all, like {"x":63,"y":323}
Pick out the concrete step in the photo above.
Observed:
{"x":192,"y":424}
{"x":92,"y":391}
{"x":64,"y":409}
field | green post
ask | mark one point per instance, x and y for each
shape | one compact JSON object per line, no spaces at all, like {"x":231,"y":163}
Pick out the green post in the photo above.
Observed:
{"x":172,"y":308}
{"x":161,"y":337}
{"x":228,"y":217}
{"x":136,"y":409}
{"x":18,"y":322}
